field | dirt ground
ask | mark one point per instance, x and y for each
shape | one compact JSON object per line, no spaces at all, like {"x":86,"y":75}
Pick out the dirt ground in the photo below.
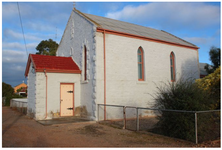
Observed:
{"x":20,"y":131}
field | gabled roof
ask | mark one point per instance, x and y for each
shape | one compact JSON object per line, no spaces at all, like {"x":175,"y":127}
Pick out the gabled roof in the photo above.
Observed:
{"x":22,"y":84}
{"x":133,"y":29}
{"x":52,"y":64}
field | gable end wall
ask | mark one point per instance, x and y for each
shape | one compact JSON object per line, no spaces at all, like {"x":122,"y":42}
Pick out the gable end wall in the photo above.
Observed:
{"x":80,"y":32}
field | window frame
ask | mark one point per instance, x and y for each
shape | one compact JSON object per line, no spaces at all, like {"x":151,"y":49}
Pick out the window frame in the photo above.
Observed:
{"x":140,"y":63}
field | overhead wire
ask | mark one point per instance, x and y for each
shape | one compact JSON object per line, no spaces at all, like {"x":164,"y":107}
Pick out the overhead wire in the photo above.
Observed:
{"x":22,"y":29}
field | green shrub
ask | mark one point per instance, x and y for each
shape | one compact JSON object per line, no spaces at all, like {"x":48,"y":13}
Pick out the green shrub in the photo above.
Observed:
{"x":180,"y":95}
{"x":8,"y":93}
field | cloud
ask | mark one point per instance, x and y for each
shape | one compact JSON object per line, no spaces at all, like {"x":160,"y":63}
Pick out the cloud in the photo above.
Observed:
{"x":171,"y":15}
{"x":13,"y":66}
{"x":204,"y":41}
{"x":16,"y":46}
{"x":9,"y":10}
{"x":39,"y":23}
{"x":32,"y":11}
{"x":12,"y":35}
{"x":13,"y":74}
{"x":41,"y":27}
{"x":197,"y":40}
{"x":12,"y":56}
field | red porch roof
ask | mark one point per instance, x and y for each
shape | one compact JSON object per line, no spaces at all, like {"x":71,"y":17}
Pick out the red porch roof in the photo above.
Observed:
{"x":52,"y":64}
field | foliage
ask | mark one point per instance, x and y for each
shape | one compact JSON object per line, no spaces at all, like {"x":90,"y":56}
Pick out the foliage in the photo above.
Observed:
{"x":18,"y":90}
{"x":7,"y":89}
{"x":47,"y":47}
{"x":214,"y":58}
{"x":180,"y":95}
{"x":211,"y":85}
{"x":8,"y":92}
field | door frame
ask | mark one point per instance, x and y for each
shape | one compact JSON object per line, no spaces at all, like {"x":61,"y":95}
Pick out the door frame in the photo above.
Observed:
{"x":73,"y":84}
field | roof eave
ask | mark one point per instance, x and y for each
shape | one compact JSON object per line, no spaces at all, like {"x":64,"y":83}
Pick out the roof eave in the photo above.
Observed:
{"x":58,"y":71}
{"x":28,"y":65}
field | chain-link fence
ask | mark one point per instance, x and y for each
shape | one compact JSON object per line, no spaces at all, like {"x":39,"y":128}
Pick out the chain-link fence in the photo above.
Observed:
{"x":196,"y":126}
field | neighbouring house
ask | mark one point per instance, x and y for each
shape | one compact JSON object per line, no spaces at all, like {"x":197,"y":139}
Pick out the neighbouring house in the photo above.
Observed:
{"x":21,"y":89}
{"x":110,"y":62}
{"x":203,"y":71}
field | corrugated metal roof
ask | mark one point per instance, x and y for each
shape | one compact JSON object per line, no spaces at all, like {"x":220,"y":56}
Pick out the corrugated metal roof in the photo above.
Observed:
{"x":134,"y":29}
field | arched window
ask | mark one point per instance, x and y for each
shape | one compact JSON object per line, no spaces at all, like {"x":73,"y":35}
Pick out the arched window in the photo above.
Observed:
{"x":85,"y":63}
{"x":140,"y":64}
{"x":172,"y":67}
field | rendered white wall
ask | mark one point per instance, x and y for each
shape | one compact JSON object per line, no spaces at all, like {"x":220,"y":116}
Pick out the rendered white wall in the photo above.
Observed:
{"x":31,"y":95}
{"x":79,"y":32}
{"x":40,"y":96}
{"x":31,"y":82}
{"x":53,"y":93}
{"x":54,"y":81}
{"x":123,"y":87}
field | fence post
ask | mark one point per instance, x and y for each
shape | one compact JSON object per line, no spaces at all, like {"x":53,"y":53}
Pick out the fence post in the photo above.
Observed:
{"x":124,"y":117}
{"x":196,"y":138}
{"x":137,"y":119}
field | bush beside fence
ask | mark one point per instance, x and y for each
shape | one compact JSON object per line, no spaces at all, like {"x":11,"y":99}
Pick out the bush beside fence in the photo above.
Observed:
{"x":198,"y":126}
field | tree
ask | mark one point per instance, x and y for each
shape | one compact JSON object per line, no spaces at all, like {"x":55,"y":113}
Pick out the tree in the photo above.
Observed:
{"x":215,"y":60}
{"x":7,"y":92}
{"x":47,"y":47}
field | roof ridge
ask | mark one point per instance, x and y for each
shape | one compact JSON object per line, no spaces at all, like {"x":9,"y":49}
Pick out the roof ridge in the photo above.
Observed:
{"x":50,"y":55}
{"x":178,"y":37}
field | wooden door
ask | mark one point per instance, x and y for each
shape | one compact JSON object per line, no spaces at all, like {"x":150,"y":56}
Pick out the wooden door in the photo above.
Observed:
{"x":67,"y":99}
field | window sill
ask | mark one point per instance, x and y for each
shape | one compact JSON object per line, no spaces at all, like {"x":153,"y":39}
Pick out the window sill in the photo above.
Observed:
{"x":141,"y":82}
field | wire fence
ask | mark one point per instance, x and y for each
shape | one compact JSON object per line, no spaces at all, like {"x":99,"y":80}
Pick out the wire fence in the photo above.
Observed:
{"x":195,"y":126}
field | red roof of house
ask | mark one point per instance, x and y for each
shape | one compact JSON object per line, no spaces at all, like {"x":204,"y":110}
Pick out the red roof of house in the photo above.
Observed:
{"x":52,"y":64}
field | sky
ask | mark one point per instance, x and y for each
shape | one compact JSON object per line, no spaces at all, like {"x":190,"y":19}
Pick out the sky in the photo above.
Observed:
{"x":195,"y":22}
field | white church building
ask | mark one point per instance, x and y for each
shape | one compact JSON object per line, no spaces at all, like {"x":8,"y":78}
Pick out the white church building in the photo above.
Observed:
{"x":116,"y":63}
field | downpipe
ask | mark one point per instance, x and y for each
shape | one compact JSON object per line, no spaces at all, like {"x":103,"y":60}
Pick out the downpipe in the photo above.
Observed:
{"x":46,"y":93}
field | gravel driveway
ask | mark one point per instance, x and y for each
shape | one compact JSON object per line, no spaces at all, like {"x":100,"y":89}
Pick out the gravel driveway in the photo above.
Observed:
{"x":20,"y":131}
